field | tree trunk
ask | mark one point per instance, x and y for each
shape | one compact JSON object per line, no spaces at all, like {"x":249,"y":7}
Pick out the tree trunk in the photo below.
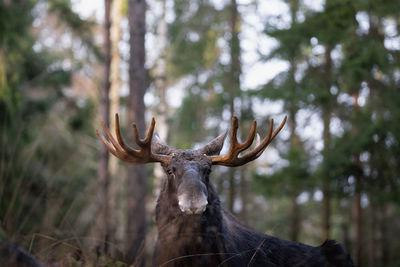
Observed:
{"x":345,"y":236}
{"x":137,"y":175}
{"x":116,"y":187}
{"x":294,"y":217}
{"x":326,"y":210}
{"x":357,"y":209}
{"x":234,"y":46}
{"x":357,"y":217}
{"x":372,"y":238}
{"x":233,"y":84}
{"x":326,"y":179}
{"x":161,"y":75}
{"x":384,"y":235}
{"x":326,"y":206}
{"x":294,"y":213}
{"x":117,"y":14}
{"x":294,"y":143}
{"x":232,"y":190}
{"x":161,"y":86}
{"x":103,"y":176}
{"x":244,"y":194}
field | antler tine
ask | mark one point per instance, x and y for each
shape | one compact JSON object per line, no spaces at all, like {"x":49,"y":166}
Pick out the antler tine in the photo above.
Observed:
{"x":250,"y":139}
{"x":232,"y":158}
{"x":147,"y":140}
{"x":114,"y":149}
{"x":259,"y":149}
{"x":233,"y":136}
{"x":106,"y":143}
{"x":110,"y":137}
{"x":236,"y":147}
{"x":136,"y":134}
{"x":119,"y":137}
{"x":150,"y":132}
{"x":252,"y":155}
{"x":277,"y":130}
{"x":125,"y":152}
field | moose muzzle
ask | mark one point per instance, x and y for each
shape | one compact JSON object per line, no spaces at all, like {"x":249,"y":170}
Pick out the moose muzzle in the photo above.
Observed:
{"x":192,"y":193}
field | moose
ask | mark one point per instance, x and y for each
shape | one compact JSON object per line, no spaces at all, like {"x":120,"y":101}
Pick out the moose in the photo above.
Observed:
{"x":193,"y":228}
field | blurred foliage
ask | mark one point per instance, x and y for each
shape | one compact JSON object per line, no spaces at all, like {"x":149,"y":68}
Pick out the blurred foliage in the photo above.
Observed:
{"x":48,"y":147}
{"x":294,"y":176}
{"x":362,"y":67}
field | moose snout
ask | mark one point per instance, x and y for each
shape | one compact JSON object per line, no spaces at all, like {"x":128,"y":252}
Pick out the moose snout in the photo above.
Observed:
{"x":192,"y":204}
{"x":192,"y":193}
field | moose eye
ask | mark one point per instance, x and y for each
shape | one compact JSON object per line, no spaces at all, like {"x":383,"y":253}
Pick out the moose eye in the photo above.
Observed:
{"x":169,"y":172}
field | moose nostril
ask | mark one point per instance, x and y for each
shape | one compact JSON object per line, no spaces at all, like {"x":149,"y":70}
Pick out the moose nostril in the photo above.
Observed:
{"x":189,"y":206}
{"x":193,"y":210}
{"x":182,"y":206}
{"x":198,"y":209}
{"x":202,"y":207}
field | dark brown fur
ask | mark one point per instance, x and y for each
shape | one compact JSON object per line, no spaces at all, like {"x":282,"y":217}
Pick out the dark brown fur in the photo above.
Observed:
{"x":216,"y":237}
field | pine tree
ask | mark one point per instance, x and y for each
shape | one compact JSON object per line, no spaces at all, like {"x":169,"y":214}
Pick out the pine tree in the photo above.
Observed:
{"x":103,"y":192}
{"x":46,"y":133}
{"x":285,"y":87}
{"x":137,"y":180}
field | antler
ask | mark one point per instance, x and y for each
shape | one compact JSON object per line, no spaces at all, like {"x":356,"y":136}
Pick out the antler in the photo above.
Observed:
{"x":232,"y":159}
{"x":125,"y":152}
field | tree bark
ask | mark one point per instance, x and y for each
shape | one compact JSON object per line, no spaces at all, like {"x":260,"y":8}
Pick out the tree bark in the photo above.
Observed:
{"x":232,"y":190}
{"x":345,"y":236}
{"x":294,"y":217}
{"x":161,"y":86}
{"x":137,"y":175}
{"x":294,"y":212}
{"x":326,"y":118}
{"x":372,"y":238}
{"x":234,"y":46}
{"x":233,"y":84}
{"x":244,"y":194}
{"x":103,"y":175}
{"x":116,"y":187}
{"x":357,"y":209}
{"x":384,"y":235}
{"x":357,"y":217}
{"x":161,"y":75}
{"x":115,"y":68}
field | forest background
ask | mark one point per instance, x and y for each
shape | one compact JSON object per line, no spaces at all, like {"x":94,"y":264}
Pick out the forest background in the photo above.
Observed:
{"x":332,"y":66}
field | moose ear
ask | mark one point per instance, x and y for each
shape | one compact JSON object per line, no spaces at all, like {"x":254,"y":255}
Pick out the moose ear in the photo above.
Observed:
{"x":158,"y":146}
{"x":214,"y":147}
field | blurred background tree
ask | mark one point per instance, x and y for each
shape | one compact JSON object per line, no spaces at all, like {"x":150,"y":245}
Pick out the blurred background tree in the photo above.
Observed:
{"x":332,"y":66}
{"x":48,"y":58}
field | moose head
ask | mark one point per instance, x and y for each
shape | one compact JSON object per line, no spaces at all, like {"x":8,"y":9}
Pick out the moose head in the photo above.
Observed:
{"x":188,"y":170}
